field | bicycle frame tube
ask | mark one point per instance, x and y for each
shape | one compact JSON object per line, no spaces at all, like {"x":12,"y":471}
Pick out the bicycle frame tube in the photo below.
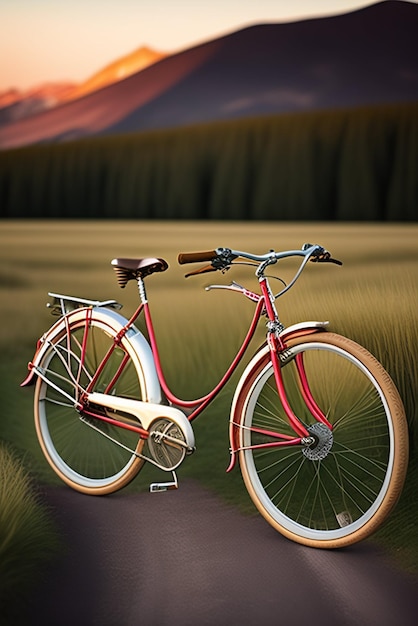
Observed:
{"x":117,"y":422}
{"x":268,"y":299}
{"x":265,"y":303}
{"x":200,"y":403}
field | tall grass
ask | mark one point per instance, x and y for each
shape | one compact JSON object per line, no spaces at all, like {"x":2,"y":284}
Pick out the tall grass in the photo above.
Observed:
{"x":27,"y":536}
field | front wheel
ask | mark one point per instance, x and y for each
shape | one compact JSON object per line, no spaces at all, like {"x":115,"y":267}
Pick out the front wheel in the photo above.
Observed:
{"x":341,"y":489}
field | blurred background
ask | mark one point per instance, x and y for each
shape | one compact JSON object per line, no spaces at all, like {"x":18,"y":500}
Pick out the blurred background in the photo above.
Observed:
{"x":159,"y":110}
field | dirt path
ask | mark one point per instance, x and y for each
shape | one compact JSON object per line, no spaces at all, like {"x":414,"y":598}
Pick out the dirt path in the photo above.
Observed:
{"x":185,"y":558}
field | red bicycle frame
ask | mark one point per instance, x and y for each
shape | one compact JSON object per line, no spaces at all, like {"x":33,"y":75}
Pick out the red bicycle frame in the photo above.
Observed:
{"x":264,"y":304}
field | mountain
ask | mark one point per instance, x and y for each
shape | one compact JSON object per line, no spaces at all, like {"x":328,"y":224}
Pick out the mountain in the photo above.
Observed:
{"x":366,"y":57}
{"x":118,"y":70}
{"x":16,"y":105}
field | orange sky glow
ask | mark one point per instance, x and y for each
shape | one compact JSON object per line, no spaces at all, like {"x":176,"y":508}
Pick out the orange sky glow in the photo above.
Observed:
{"x":56,"y":40}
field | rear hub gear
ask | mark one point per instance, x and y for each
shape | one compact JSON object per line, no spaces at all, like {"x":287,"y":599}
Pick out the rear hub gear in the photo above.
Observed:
{"x":323,"y":442}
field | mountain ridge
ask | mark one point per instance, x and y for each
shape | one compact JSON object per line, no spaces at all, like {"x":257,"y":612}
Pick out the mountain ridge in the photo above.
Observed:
{"x":16,"y":104}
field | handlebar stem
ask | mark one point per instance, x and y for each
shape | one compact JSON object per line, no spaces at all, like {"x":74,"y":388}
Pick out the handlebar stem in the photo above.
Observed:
{"x":271,"y":260}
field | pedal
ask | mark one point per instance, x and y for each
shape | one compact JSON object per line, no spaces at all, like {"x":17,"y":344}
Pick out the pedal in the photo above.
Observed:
{"x":167,"y":486}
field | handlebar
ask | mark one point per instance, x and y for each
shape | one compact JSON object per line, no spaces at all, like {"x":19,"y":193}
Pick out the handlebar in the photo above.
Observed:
{"x":222,"y":258}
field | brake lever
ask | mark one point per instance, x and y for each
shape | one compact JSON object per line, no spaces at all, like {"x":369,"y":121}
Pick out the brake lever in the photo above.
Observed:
{"x":201,"y":270}
{"x":325,"y":257}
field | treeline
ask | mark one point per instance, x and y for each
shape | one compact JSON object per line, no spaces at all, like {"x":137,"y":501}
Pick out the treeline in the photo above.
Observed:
{"x":342,"y":165}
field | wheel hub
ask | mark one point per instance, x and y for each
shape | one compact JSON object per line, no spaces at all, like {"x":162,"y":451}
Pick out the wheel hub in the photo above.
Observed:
{"x":323,"y":440}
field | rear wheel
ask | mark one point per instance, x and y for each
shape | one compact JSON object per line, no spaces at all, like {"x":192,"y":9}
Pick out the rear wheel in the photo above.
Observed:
{"x":340,"y":489}
{"x":88,"y":454}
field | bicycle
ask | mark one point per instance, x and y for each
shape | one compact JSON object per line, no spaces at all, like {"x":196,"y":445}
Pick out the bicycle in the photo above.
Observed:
{"x":316,"y":422}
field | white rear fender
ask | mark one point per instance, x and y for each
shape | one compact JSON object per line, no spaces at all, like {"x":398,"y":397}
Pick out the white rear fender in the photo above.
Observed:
{"x":140,"y":350}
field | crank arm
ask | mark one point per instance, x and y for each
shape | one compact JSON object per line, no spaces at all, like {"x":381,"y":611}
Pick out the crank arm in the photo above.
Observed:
{"x":176,"y":443}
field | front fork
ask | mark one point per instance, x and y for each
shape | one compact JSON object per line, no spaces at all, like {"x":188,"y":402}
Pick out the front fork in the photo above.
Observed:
{"x":276,"y":352}
{"x":277,"y":347}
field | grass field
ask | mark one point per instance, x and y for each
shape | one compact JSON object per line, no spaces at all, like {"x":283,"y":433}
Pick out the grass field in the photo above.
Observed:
{"x":372,"y":299}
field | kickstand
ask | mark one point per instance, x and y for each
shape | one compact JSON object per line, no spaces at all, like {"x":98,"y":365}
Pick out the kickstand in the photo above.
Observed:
{"x":157,"y":487}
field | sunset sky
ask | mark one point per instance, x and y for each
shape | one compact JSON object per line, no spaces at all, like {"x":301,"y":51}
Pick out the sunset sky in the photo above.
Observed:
{"x":58,"y":40}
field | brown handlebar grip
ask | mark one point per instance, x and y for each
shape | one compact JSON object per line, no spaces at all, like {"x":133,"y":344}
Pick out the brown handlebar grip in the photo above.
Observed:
{"x":196,"y":257}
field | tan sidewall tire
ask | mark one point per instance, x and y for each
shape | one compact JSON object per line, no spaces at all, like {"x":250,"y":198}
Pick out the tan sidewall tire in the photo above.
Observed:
{"x":400,"y":428}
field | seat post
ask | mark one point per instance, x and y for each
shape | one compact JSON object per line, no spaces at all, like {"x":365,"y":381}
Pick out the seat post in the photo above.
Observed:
{"x":142,"y":290}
